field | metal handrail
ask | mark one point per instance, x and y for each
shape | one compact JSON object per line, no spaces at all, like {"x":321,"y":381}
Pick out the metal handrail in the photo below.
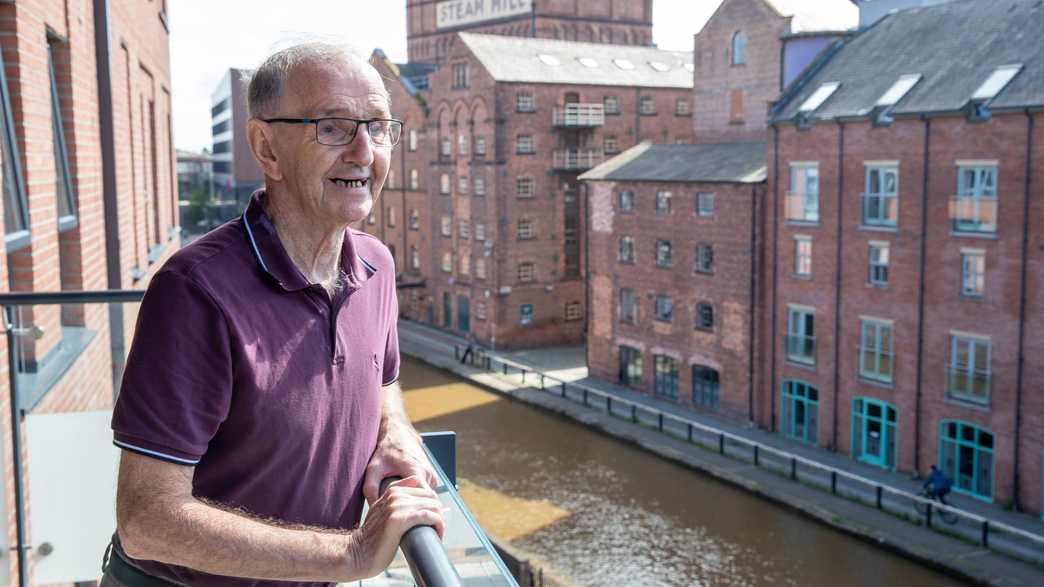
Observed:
{"x":422,"y":548}
{"x":33,"y":298}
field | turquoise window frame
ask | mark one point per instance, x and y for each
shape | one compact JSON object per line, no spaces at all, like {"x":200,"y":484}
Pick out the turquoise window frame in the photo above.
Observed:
{"x":799,"y":399}
{"x":972,"y":438}
{"x":889,"y":426}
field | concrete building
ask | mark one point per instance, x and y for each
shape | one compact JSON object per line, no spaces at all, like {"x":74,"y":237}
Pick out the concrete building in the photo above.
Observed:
{"x":235,"y":171}
{"x":514,"y":121}
{"x":906,"y":259}
{"x":433,"y":24}
{"x":89,"y":203}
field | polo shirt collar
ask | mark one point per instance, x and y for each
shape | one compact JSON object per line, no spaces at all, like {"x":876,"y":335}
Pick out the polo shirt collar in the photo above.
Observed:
{"x":273,"y":259}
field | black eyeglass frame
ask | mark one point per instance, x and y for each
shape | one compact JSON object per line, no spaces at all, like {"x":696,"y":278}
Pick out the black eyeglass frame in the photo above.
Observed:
{"x":355,"y":133}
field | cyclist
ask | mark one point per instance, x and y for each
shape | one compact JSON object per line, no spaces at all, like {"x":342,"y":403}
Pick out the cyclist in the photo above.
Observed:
{"x":937,"y":485}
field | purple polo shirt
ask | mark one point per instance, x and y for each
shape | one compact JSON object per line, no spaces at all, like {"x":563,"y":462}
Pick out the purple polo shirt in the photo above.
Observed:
{"x":242,"y":368}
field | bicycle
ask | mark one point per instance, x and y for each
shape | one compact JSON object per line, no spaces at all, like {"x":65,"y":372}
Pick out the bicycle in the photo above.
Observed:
{"x":921,"y":505}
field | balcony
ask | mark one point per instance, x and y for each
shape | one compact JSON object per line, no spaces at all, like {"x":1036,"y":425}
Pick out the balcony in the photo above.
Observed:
{"x":576,"y":159}
{"x":967,"y":385}
{"x":973,"y":214}
{"x":801,"y":207}
{"x":578,"y":116}
{"x":800,"y":348}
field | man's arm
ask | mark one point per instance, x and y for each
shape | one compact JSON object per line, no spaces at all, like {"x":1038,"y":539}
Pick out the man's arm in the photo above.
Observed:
{"x":399,"y":449}
{"x":159,"y":519}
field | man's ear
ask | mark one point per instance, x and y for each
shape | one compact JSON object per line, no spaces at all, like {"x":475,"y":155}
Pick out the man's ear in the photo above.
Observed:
{"x":259,"y":137}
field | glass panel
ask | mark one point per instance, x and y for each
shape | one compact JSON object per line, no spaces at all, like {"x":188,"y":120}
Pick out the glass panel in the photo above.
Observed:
{"x":984,"y":475}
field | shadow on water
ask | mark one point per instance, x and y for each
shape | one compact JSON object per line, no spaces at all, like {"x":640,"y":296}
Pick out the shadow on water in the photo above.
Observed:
{"x":632,"y":518}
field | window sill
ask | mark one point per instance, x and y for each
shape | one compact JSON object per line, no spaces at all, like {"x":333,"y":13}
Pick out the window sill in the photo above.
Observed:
{"x":801,"y":364}
{"x":525,"y":110}
{"x":658,"y":266}
{"x":33,"y":387}
{"x":979,"y":235}
{"x":879,"y":227}
{"x":525,"y":152}
{"x":702,"y":272}
{"x":973,"y":297}
{"x":614,"y":113}
{"x":17,"y":240}
{"x":877,"y":285}
{"x":800,"y":222}
{"x":966,"y":403}
{"x":137,"y":273}
{"x":876,"y":382}
{"x":802,"y":276}
{"x":708,"y":329}
{"x":625,"y":261}
{"x":646,"y":114}
{"x":66,"y":223}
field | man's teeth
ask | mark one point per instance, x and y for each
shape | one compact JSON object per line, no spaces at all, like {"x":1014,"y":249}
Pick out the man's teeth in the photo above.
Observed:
{"x":352,"y":183}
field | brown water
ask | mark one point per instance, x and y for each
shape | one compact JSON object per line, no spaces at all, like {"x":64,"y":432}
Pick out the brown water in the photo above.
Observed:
{"x":600,"y":512}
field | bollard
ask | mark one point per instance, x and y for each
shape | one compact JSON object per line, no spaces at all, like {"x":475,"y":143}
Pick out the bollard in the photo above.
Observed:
{"x":793,"y":469}
{"x":833,"y":482}
{"x":756,"y":455}
{"x":880,"y":490}
{"x":985,"y":533}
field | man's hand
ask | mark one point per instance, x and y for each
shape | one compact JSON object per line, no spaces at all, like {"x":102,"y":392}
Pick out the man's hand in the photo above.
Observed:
{"x":398,"y":454}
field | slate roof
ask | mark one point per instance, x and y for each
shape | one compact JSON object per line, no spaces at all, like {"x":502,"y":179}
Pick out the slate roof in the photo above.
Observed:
{"x":717,"y":163}
{"x":516,"y":59}
{"x":954,"y":46}
{"x":817,"y":15}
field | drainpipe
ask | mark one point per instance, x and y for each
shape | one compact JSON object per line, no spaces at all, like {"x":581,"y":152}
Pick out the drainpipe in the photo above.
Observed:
{"x":753,"y":302}
{"x":1022,"y":310}
{"x":102,"y":50}
{"x":775,"y":272}
{"x":837,"y":276}
{"x":21,"y":544}
{"x":585,"y":230}
{"x":920,"y":298}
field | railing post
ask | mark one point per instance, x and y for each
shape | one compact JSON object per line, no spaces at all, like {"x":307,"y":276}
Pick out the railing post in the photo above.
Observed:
{"x":541,"y":382}
{"x":585,"y":396}
{"x":634,"y":413}
{"x":793,"y":469}
{"x":659,"y":423}
{"x":721,"y":443}
{"x":609,"y":405}
{"x":688,"y":431}
{"x":985,"y":533}
{"x":523,"y":376}
{"x":456,"y":353}
{"x":756,"y":447}
{"x":833,"y":482}
{"x":505,"y":368}
{"x":880,"y":490}
{"x":928,"y":515}
{"x":563,"y":389}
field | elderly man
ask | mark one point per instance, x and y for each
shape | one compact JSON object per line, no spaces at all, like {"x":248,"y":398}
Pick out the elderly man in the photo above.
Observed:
{"x":259,"y":404}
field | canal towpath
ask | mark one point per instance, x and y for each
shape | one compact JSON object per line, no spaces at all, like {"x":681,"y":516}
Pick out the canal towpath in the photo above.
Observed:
{"x":960,"y":558}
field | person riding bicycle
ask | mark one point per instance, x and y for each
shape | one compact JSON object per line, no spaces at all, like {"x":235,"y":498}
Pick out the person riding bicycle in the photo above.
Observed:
{"x":938,"y":485}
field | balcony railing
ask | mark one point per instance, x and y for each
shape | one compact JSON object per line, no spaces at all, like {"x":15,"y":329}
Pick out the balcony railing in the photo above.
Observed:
{"x":576,"y":159}
{"x":800,"y":348}
{"x":973,"y":214}
{"x":801,"y":207}
{"x":578,"y":115}
{"x":964,"y":384}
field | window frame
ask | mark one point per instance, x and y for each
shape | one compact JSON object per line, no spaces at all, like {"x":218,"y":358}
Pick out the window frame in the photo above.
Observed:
{"x":808,"y":200}
{"x":526,"y":314}
{"x":975,"y":197}
{"x":626,"y":243}
{"x":525,"y":144}
{"x":525,"y":102}
{"x":872,"y":345}
{"x":61,"y":155}
{"x":19,"y":237}
{"x":977,"y":275}
{"x":971,"y":370}
{"x":666,"y":375}
{"x":802,"y":255}
{"x":738,"y":49}
{"x":705,"y":204}
{"x":627,"y":310}
{"x":663,"y":202}
{"x":663,"y":261}
{"x":877,"y":270}
{"x":628,"y":197}
{"x":883,"y":197}
{"x":663,"y":308}
{"x":799,"y":326}
{"x":705,"y":258}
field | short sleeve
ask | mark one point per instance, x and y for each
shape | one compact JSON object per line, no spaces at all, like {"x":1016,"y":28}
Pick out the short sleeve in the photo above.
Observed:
{"x":177,"y":383}
{"x":390,"y":372}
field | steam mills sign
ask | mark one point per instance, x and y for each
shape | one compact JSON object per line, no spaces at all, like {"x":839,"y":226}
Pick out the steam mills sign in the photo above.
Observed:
{"x":452,"y":13}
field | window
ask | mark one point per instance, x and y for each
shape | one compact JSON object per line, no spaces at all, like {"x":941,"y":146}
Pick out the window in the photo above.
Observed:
{"x":63,"y":185}
{"x":611,"y":104}
{"x":525,"y":229}
{"x":391,"y":216}
{"x":572,"y":311}
{"x":646,"y":105}
{"x":682,"y":107}
{"x":705,"y":385}
{"x":663,"y":253}
{"x":663,"y":203}
{"x":973,"y":272}
{"x":802,"y":201}
{"x":549,"y":59}
{"x":966,"y":456}
{"x":974,"y":208}
{"x":462,"y":184}
{"x":414,"y":179}
{"x":609,"y":145}
{"x":447,"y":226}
{"x":630,"y":366}
{"x":464,"y":228}
{"x":628,"y":306}
{"x":465,"y":265}
{"x":704,"y":204}
{"x":445,"y":147}
{"x":876,"y":350}
{"x":525,"y":314}
{"x":461,"y":75}
{"x":739,"y":48}
{"x":704,"y":258}
{"x":881,"y":198}
{"x":525,"y":272}
{"x":879,"y":258}
{"x":480,"y":306}
{"x":480,"y":146}
{"x":626,"y":254}
{"x":480,"y":268}
{"x":414,"y":258}
{"x":414,"y":221}
{"x":873,"y":432}
{"x":801,"y":335}
{"x":447,"y":262}
{"x":626,"y":203}
{"x":803,"y":256}
{"x":16,"y":217}
{"x":524,"y":187}
{"x":444,"y":183}
{"x":969,"y":370}
{"x":524,"y":102}
{"x":665,"y":382}
{"x":704,"y":316}
{"x":799,"y":413}
{"x":480,"y":231}
{"x":524,"y":144}
{"x":462,"y":144}
{"x":480,"y":186}
{"x":624,"y":64}
{"x":664,"y":308}
{"x":412,"y":142}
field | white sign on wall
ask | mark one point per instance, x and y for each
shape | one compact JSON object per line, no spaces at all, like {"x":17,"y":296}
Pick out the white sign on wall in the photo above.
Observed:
{"x":453,"y":13}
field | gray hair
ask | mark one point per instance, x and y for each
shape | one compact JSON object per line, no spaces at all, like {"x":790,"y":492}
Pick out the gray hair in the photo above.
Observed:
{"x":268,"y":81}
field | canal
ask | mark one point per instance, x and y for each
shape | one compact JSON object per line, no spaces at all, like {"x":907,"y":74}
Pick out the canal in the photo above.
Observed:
{"x":597,"y":511}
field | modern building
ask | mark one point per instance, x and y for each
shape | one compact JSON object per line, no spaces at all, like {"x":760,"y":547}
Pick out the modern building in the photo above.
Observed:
{"x":236,"y":172}
{"x":89,"y":203}
{"x":906,"y":265}
{"x":433,"y":24}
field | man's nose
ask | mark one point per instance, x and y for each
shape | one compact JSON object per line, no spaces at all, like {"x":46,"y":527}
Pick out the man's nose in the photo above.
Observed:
{"x":360,"y":150}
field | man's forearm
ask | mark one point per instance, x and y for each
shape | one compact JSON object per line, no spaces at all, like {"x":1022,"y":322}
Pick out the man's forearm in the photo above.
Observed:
{"x":393,"y":412}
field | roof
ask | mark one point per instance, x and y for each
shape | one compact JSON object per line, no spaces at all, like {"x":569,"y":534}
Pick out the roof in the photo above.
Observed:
{"x":954,"y":47}
{"x":530,"y":60}
{"x":718,"y":163}
{"x":817,"y":15}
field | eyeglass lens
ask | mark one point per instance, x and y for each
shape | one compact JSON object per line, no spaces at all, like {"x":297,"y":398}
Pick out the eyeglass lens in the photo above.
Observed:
{"x":341,"y":131}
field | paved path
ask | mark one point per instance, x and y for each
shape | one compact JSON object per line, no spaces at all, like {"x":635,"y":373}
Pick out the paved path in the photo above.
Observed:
{"x":963,"y":558}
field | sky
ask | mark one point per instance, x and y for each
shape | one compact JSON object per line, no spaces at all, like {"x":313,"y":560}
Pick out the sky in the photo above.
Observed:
{"x":207,"y":38}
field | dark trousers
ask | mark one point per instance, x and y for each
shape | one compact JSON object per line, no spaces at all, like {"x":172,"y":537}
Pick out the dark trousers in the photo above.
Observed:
{"x":117,"y":572}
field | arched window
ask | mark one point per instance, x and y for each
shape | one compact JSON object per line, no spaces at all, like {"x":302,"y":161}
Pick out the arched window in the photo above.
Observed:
{"x":739,"y":48}
{"x":966,"y":456}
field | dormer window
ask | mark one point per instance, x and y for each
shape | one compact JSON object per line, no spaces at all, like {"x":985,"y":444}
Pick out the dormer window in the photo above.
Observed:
{"x":998,"y":80}
{"x":624,"y":64}
{"x":548,"y":59}
{"x":883,"y":108}
{"x":739,"y":48}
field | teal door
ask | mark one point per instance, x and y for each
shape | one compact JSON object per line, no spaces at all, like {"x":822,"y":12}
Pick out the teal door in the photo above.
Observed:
{"x":799,"y":412}
{"x":463,"y":315}
{"x":447,"y":311}
{"x":873,"y":432}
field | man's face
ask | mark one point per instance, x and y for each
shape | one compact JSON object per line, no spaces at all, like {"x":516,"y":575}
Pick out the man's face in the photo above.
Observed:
{"x":315,"y":175}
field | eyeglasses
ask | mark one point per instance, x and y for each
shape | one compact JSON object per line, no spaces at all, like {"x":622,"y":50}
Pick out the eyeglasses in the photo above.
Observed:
{"x":337,"y":132}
